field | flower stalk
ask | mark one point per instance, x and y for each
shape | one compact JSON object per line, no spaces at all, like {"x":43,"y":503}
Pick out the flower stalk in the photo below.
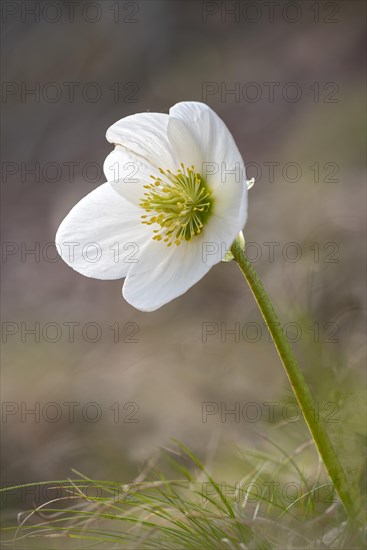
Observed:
{"x":297,"y":381}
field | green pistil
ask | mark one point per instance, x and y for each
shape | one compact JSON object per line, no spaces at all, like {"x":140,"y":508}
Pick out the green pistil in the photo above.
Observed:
{"x":180,"y":204}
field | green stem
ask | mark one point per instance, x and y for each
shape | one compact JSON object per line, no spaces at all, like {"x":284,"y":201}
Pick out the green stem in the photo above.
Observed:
{"x":296,"y":378}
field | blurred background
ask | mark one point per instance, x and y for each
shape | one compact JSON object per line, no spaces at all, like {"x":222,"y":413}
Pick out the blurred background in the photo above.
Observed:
{"x":108,"y":384}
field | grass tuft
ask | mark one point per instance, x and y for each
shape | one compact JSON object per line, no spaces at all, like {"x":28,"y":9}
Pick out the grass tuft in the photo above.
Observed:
{"x":273,"y":505}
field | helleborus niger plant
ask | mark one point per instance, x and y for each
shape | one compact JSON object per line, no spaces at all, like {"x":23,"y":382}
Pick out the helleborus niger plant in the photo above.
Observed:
{"x":174,"y":205}
{"x":174,"y":202}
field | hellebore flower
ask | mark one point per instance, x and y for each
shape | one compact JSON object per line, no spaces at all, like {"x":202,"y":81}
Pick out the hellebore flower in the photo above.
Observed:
{"x":174,"y":201}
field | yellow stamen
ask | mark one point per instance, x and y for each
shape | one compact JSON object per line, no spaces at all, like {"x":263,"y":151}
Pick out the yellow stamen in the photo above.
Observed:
{"x":180,"y":204}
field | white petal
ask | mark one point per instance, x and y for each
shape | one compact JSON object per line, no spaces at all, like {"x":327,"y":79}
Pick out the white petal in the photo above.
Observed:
{"x":225,"y":174}
{"x":218,"y":238}
{"x":101,"y":235}
{"x":145,"y":135}
{"x":226,"y":222}
{"x":218,"y":148}
{"x":184,"y":145}
{"x":128,"y":173}
{"x":230,"y":204}
{"x":163,"y":274}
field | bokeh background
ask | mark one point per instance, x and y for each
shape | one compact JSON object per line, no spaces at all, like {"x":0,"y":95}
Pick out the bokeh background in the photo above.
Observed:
{"x":148,"y":55}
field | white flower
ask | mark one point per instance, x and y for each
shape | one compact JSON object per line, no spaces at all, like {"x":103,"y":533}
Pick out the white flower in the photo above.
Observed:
{"x":174,"y":201}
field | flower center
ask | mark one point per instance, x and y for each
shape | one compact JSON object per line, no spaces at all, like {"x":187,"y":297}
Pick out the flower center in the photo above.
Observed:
{"x":180,"y":204}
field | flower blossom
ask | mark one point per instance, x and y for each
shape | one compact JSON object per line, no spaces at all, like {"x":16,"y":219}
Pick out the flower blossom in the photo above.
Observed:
{"x":174,"y":201}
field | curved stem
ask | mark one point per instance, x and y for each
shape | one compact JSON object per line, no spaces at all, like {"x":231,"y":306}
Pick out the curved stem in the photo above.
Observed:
{"x":297,"y":381}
